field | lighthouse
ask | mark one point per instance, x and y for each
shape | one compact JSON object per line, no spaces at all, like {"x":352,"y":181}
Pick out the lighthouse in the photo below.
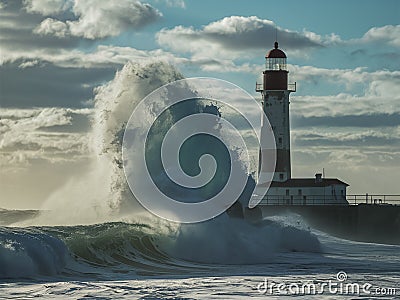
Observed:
{"x":285,"y":190}
{"x":275,"y":93}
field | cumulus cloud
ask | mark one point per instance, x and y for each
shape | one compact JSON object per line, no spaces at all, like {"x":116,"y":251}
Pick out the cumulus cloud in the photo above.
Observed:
{"x":53,"y":27}
{"x":97,"y":18}
{"x":389,"y":34}
{"x":47,"y":7}
{"x":236,"y":34}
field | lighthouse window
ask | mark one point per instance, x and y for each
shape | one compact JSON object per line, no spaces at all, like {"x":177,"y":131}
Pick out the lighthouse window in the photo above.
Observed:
{"x":280,"y":140}
{"x":276,"y":64}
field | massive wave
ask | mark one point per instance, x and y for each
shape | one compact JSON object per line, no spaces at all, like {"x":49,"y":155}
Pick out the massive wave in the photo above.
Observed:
{"x":146,"y":247}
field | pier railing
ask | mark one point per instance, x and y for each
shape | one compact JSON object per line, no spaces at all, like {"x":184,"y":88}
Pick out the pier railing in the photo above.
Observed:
{"x":352,"y":199}
{"x":373,"y":199}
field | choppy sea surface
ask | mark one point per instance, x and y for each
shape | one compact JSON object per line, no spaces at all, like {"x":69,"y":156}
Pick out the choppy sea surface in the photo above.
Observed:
{"x":219,"y":259}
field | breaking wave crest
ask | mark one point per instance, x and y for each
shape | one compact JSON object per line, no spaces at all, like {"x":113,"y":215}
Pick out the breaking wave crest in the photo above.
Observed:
{"x":140,"y":249}
{"x":29,"y":252}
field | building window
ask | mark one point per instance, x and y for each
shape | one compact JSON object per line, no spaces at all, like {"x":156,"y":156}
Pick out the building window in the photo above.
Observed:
{"x":299,"y":192}
{"x":304,"y":200}
{"x":342,"y":192}
{"x":287,"y":192}
{"x":281,"y":176}
{"x":280,"y":140}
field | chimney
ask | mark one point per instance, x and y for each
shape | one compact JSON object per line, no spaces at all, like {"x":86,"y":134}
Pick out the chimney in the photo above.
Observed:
{"x":318,"y":178}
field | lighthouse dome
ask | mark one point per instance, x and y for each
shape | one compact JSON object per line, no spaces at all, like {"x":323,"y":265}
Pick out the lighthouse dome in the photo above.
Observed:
{"x":275,"y":53}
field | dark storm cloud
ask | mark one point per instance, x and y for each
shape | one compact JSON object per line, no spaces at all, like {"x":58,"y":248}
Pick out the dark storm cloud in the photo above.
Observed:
{"x":366,"y":120}
{"x":48,"y":85}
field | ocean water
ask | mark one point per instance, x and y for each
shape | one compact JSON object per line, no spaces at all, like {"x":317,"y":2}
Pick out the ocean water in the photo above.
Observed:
{"x":220,"y":259}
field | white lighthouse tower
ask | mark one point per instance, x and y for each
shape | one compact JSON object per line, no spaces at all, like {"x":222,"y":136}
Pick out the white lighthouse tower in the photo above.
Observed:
{"x":275,"y":102}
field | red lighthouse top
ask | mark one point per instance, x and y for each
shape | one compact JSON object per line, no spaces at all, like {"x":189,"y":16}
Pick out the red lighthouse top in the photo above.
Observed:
{"x":275,"y":53}
{"x":276,"y":74}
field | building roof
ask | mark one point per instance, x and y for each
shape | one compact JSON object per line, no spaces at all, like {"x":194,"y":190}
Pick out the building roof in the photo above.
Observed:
{"x":307,"y":182}
{"x":275,"y":53}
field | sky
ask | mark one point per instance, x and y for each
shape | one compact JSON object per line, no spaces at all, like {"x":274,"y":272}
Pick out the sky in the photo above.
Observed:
{"x":344,"y":56}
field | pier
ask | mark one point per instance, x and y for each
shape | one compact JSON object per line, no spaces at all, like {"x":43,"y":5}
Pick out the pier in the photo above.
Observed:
{"x":368,"y":217}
